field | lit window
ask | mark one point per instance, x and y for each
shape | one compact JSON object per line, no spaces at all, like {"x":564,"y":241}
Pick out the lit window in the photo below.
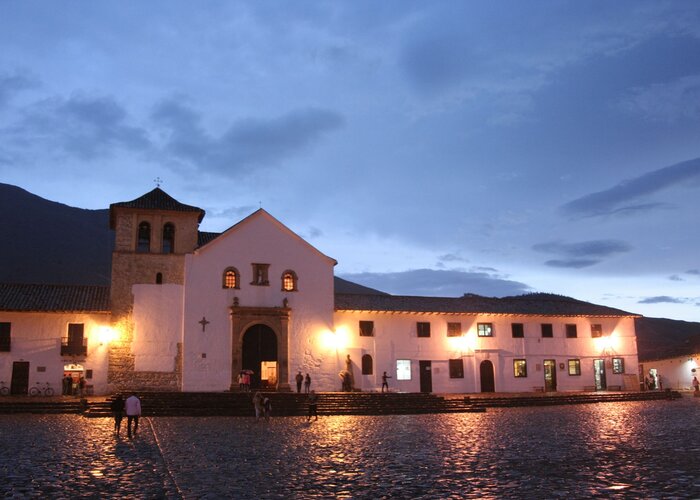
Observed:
{"x":518,"y":330}
{"x":484,"y":329}
{"x":547,"y":330}
{"x":519,"y":368}
{"x":144,"y":238}
{"x":618,"y":365}
{"x":366,"y":328}
{"x":575,"y":367}
{"x":454,"y":329}
{"x":571,"y":332}
{"x":260,"y":275}
{"x":596,"y":331}
{"x":289,"y":281}
{"x":367,"y":365}
{"x":423,"y":329}
{"x":5,"y":339}
{"x":403,"y":369}
{"x":168,"y":238}
{"x":456,"y":368}
{"x":231,"y":279}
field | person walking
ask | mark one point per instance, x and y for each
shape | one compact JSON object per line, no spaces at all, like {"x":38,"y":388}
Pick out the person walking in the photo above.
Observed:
{"x":385,"y":382}
{"x":313,"y":406}
{"x":132,"y":405}
{"x":267,"y":408}
{"x":258,"y":405}
{"x":117,"y":407}
{"x":299,"y":380}
{"x":307,"y":383}
{"x":696,"y":385}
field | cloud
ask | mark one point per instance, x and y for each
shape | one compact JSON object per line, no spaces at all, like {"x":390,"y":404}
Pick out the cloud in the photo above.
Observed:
{"x":619,"y":198}
{"x":451,"y":257}
{"x":441,"y":283}
{"x":694,"y":272}
{"x":666,"y":102}
{"x":85,"y":127}
{"x":246,"y":143}
{"x":11,"y":84}
{"x":662,"y":299}
{"x":675,"y":277}
{"x":572,"y":263}
{"x":581,"y":254}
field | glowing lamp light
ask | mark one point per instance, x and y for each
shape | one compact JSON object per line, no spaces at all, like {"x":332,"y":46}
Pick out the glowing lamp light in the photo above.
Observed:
{"x":466,"y":342}
{"x":106,"y":334}
{"x":334,"y":339}
{"x":607,"y":343}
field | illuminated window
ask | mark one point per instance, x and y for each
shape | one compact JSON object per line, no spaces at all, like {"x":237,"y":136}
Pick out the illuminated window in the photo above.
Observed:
{"x":366,"y":328}
{"x":571,"y":332}
{"x":260,"y":275}
{"x":403,"y":369}
{"x":143,"y":243}
{"x":423,"y":329}
{"x":518,"y":330}
{"x":484,"y":329}
{"x":519,"y":368}
{"x":547,"y":330}
{"x":575,"y":367}
{"x":596,"y":331}
{"x":456,"y":368}
{"x":231,"y":278}
{"x":618,"y":365}
{"x":454,"y":329}
{"x":168,"y":238}
{"x":367,"y":365}
{"x":289,"y":281}
{"x":5,"y":339}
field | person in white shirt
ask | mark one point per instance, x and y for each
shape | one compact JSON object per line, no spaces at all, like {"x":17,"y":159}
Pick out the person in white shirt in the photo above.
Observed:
{"x":132,"y":406}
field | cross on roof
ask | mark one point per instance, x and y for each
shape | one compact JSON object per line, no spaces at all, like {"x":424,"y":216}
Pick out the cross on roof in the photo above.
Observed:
{"x":158,"y":181}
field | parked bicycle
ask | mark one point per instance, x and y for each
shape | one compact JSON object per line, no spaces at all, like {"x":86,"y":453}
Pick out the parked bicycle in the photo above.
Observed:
{"x":37,"y":391}
{"x":4,"y":390}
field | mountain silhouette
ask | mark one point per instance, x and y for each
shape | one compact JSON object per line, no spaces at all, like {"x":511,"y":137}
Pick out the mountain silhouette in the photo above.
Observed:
{"x":45,"y":242}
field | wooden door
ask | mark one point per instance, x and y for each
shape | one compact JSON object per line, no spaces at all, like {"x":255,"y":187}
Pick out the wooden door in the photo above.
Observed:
{"x":20,"y":378}
{"x":426,"y":376}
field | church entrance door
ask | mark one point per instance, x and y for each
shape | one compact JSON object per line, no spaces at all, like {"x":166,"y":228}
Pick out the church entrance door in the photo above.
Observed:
{"x":260,"y":356}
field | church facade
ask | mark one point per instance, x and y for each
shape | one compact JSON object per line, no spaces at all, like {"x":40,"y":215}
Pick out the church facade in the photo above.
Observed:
{"x":190,"y":311}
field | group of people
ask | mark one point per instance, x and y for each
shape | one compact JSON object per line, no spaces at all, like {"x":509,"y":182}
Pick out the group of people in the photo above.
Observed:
{"x":305,"y":380}
{"x":132,"y":407}
{"x":263,"y":406}
{"x":244,"y":381}
{"x":72,"y":386}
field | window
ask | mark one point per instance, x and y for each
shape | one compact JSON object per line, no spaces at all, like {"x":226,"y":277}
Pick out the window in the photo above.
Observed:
{"x":518,"y":330}
{"x":5,"y":339}
{"x":168,"y":238}
{"x":88,"y":374}
{"x":367,"y":364}
{"x":571,"y":332}
{"x":484,"y":329}
{"x":574,"y":367}
{"x":519,"y":368}
{"x":618,"y":365}
{"x":547,"y":330}
{"x":403,"y":369}
{"x":231,"y":278}
{"x":159,"y":278}
{"x":423,"y":329}
{"x":454,"y":329}
{"x":74,"y":344}
{"x":260,"y":275}
{"x":596,"y":331}
{"x":143,"y":243}
{"x":366,"y":328}
{"x":456,"y":368}
{"x":289,"y":281}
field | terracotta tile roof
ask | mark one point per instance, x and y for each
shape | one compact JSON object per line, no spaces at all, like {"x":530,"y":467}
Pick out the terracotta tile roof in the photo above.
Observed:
{"x":204,"y":237}
{"x":536,"y":304}
{"x":156,"y":200}
{"x":54,"y":298}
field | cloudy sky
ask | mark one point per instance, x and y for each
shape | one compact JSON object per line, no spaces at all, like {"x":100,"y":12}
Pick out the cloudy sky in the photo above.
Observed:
{"x":432,"y":148}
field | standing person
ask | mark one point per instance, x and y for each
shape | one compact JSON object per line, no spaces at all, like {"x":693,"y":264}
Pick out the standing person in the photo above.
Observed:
{"x":299,"y":380}
{"x":132,"y":405}
{"x":307,"y":383}
{"x":67,"y":382}
{"x":385,"y":382}
{"x":351,"y":375}
{"x":267,"y":408}
{"x":81,"y":386}
{"x":313,"y":405}
{"x":117,"y":408}
{"x":258,"y":405}
{"x":696,"y":385}
{"x":241,"y":382}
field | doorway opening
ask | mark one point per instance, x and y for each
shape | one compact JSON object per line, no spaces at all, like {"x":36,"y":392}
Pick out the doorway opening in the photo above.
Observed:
{"x":599,"y":374}
{"x":550,"y":375}
{"x":488,"y":383}
{"x":20,"y":378}
{"x":426,"y":375}
{"x":260,"y":356}
{"x":72,"y":373}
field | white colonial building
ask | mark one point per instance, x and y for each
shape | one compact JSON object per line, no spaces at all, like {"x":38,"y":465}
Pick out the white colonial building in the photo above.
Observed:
{"x":188,"y":311}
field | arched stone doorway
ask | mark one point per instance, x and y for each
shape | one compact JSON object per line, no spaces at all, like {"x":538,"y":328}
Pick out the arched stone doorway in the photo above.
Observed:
{"x":487,"y":379}
{"x":259,"y":355}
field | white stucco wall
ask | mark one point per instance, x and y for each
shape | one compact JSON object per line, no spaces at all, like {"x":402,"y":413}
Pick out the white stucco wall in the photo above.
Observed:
{"x":157,"y":319}
{"x":675,"y":373}
{"x":36,"y":338}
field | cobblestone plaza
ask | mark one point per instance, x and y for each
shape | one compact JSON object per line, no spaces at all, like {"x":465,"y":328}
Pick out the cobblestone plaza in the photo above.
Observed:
{"x":614,"y":450}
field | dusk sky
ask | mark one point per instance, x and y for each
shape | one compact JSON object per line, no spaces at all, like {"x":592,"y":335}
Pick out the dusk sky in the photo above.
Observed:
{"x":431,"y":148}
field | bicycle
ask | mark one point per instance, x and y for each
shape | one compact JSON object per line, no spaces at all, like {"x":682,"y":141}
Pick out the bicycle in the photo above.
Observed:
{"x":4,"y":390}
{"x":36,"y":391}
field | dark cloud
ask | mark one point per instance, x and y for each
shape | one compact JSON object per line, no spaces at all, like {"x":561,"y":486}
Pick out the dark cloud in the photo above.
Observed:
{"x":245,"y":144}
{"x":450,"y":257}
{"x":618,"y":199}
{"x":581,"y":254}
{"x":662,"y":299}
{"x":440,"y":283}
{"x":695,"y":272}
{"x":11,"y":84}
{"x":675,"y":277}
{"x":82,"y":126}
{"x":572,"y":263}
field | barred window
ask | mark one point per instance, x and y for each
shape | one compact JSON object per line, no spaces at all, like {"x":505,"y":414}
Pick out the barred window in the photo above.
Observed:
{"x":289,"y":281}
{"x":596,"y":331}
{"x":456,"y":368}
{"x":518,"y":330}
{"x":618,"y":365}
{"x":519,"y":368}
{"x":574,"y":367}
{"x":484,"y":329}
{"x":547,"y":330}
{"x":423,"y":329}
{"x":231,"y":278}
{"x":571,"y":332}
{"x":366,"y":328}
{"x":454,"y":329}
